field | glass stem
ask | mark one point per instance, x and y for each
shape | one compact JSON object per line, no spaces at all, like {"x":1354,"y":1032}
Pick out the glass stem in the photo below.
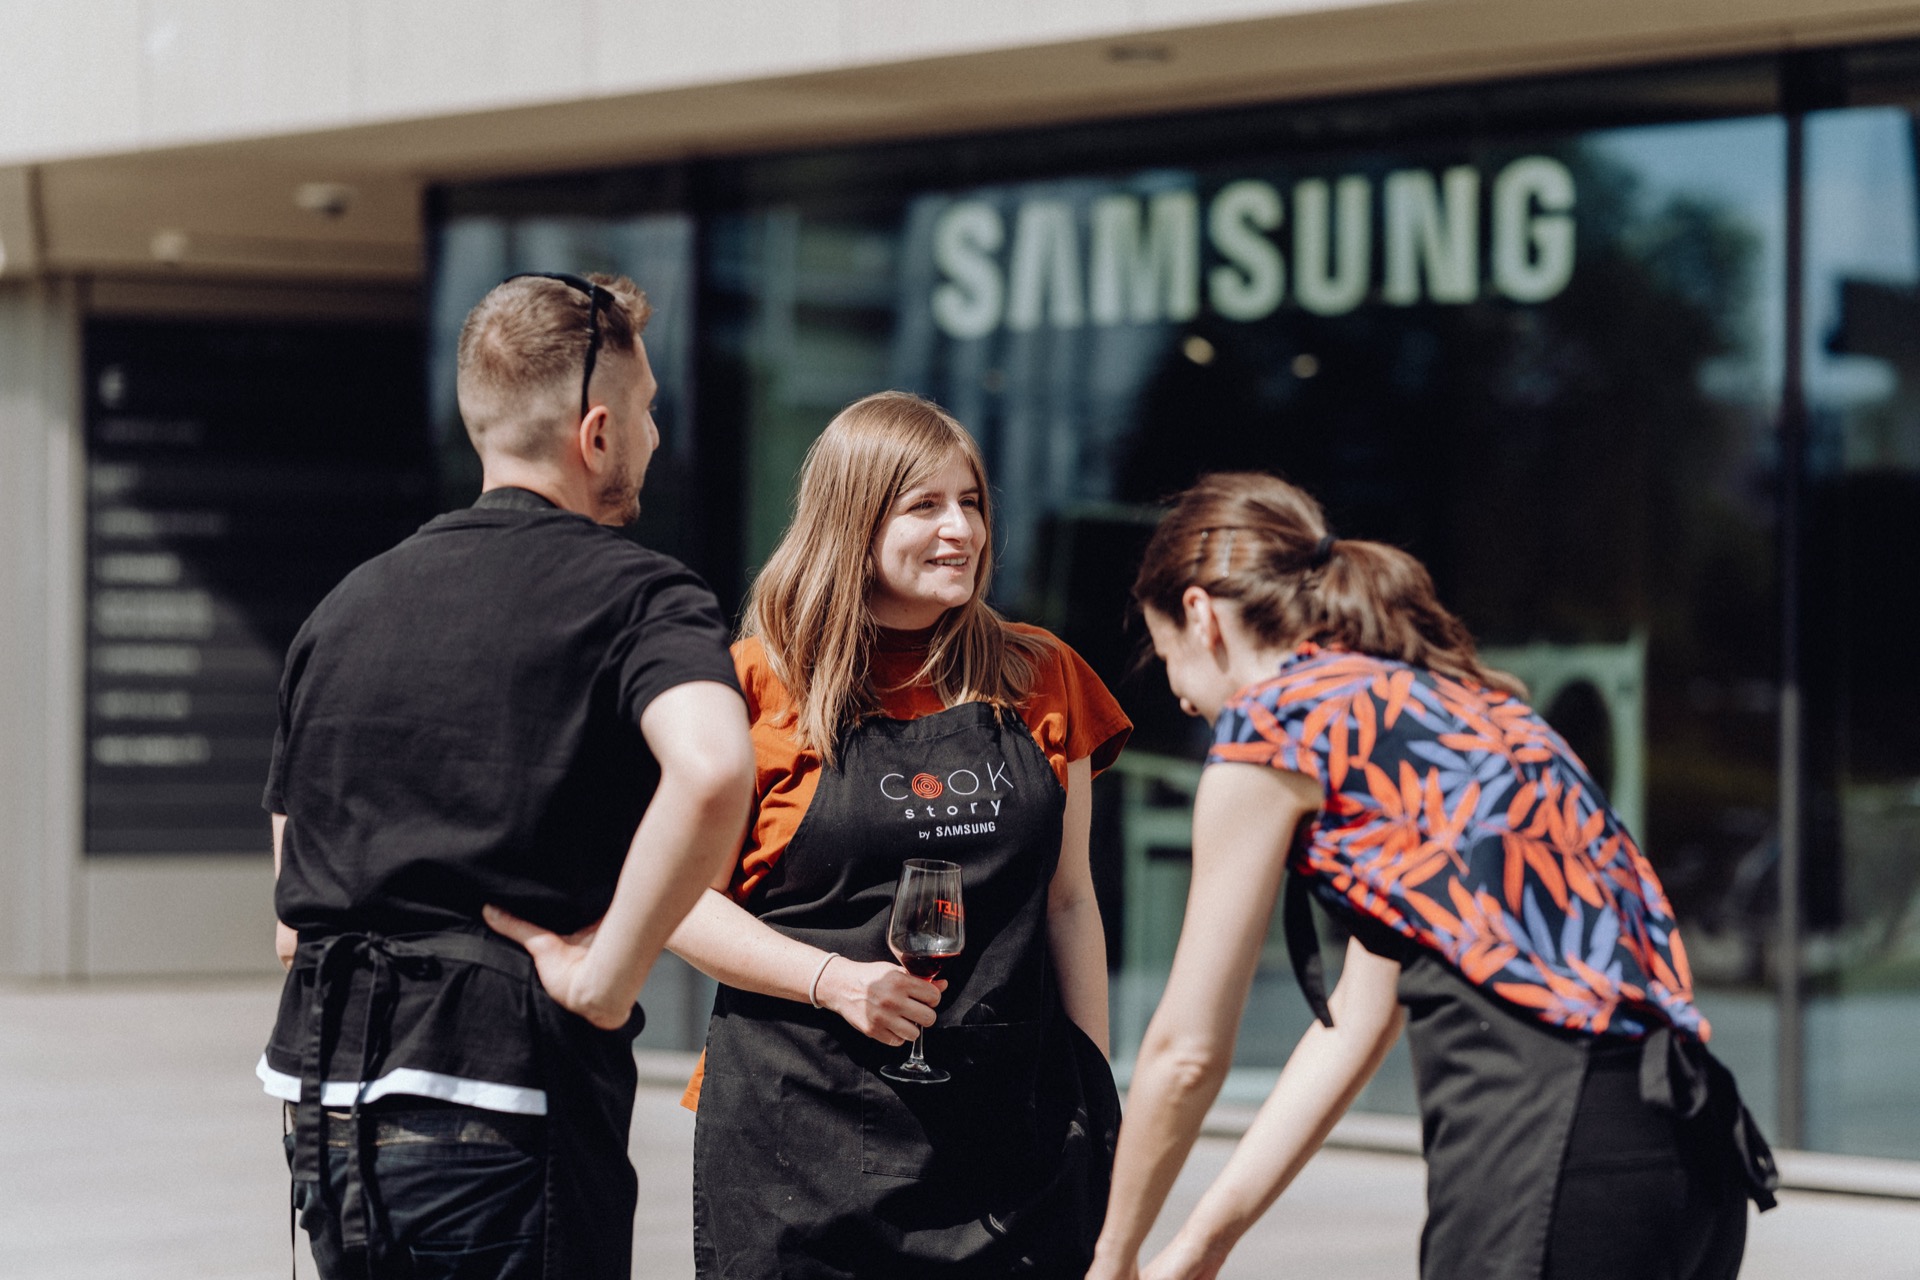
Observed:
{"x":916,"y":1056}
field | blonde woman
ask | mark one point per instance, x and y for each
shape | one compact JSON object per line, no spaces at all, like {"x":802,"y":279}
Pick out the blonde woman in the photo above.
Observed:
{"x":896,"y":715}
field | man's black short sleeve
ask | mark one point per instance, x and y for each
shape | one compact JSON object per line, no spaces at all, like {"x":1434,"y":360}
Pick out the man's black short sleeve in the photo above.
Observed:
{"x":671,"y":644}
{"x":460,"y":723}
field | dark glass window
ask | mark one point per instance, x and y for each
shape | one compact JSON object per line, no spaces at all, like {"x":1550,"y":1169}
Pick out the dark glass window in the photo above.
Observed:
{"x":1535,"y":333}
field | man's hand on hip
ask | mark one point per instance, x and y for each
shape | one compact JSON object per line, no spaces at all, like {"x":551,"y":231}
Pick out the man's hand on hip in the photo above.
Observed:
{"x":560,"y":961}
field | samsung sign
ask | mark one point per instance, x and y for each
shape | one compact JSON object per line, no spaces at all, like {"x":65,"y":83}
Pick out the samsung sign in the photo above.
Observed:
{"x":1136,"y":259}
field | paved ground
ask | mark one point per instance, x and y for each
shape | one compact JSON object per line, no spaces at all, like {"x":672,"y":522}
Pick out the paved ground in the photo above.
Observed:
{"x":135,"y":1145}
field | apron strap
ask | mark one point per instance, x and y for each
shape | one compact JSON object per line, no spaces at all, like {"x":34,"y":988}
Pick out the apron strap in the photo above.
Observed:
{"x":1680,"y":1076}
{"x":340,"y":958}
{"x":1303,"y":946}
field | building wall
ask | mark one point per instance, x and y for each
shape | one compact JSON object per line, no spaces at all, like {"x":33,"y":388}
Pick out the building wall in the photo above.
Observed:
{"x":40,"y":464}
{"x":125,"y":75}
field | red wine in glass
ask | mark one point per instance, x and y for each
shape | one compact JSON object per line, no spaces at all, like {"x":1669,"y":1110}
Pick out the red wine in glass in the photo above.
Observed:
{"x":928,"y":929}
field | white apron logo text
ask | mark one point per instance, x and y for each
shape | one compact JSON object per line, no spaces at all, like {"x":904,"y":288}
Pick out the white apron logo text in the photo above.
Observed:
{"x":961,"y":802}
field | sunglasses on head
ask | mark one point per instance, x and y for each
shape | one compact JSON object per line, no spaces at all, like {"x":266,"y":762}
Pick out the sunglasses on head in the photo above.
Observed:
{"x":597,"y":297}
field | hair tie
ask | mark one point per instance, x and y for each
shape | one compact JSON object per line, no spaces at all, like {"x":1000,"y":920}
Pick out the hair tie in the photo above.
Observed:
{"x":1322,"y":552}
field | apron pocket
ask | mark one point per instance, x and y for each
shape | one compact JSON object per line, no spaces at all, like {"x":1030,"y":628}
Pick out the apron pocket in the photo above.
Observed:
{"x":979,"y":1122}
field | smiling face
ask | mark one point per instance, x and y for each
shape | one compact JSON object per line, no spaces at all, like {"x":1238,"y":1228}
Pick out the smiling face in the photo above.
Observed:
{"x":926,"y":557}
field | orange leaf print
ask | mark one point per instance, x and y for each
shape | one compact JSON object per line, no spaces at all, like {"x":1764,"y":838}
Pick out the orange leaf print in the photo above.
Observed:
{"x":1435,"y":804}
{"x":1318,"y":719}
{"x":1532,"y":997}
{"x":1544,"y":864}
{"x":1522,"y":803}
{"x":1244,"y":752}
{"x":1399,"y":689}
{"x":1581,"y":882}
{"x":1424,"y":866}
{"x":1681,"y":969}
{"x":1363,"y":721}
{"x":1516,"y":872}
{"x":1433,"y":913}
{"x":1265,"y":723}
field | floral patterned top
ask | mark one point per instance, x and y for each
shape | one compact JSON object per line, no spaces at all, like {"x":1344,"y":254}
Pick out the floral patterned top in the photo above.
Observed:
{"x":1461,"y":820}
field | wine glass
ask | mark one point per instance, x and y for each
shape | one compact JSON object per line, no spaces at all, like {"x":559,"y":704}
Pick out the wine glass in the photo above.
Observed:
{"x":929,"y":928}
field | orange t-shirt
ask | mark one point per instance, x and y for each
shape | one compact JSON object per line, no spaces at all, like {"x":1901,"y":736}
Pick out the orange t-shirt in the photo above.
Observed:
{"x":1068,"y":710}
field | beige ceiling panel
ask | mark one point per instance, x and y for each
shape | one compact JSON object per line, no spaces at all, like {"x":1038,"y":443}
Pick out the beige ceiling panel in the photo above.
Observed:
{"x":19,"y":223}
{"x":197,"y":210}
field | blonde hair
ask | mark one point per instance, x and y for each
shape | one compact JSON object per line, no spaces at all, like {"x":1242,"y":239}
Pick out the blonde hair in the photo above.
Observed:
{"x":808,"y":605}
{"x":1264,"y":544}
{"x":523,"y":352}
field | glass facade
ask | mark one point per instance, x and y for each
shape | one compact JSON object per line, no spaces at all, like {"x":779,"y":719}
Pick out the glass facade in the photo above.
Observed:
{"x":1625,"y":359}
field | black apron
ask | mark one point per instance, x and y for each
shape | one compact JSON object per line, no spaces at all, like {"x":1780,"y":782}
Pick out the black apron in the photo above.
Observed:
{"x":810,"y":1165}
{"x":1499,"y":1092}
{"x":467,"y":1004}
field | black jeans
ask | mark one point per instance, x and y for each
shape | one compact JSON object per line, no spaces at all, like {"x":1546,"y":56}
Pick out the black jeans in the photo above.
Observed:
{"x":1643,"y":1196}
{"x":451,"y":1193}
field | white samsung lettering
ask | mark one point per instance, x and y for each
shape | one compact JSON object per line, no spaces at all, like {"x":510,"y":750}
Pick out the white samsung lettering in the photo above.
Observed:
{"x":1144,"y":275}
{"x":1253,"y":283}
{"x":1330,"y":268}
{"x":1129,"y":258}
{"x":1533,"y":252}
{"x":1420,"y":233}
{"x":1045,"y":275}
{"x":967,"y":235}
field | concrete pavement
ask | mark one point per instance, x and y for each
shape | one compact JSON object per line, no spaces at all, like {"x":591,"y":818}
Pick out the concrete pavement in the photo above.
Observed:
{"x":135,"y":1144}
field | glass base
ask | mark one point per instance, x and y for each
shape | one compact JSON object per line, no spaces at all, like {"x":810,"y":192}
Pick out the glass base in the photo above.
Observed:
{"x":911,"y":1072}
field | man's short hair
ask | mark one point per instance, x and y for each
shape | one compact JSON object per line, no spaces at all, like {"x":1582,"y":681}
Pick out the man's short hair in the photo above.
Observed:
{"x":523,"y":351}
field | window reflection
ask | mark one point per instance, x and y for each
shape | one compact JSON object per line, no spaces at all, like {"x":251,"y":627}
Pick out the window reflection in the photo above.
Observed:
{"x":1543,"y":366}
{"x":1542,"y":351}
{"x":1863,"y":385}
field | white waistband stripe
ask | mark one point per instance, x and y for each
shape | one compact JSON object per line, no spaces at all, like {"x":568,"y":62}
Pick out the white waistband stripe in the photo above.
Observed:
{"x":412,"y":1082}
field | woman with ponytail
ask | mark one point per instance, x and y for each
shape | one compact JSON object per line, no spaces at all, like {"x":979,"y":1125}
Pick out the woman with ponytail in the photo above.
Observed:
{"x":895,"y":715}
{"x":1574,"y":1125}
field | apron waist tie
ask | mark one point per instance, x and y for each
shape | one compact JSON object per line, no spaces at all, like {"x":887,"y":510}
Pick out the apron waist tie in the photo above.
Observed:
{"x":1680,"y":1076}
{"x":340,"y":957}
{"x":1677,"y":1073}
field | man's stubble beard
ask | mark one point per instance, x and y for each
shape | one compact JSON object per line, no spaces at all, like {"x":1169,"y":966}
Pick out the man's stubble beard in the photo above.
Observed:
{"x":619,"y":497}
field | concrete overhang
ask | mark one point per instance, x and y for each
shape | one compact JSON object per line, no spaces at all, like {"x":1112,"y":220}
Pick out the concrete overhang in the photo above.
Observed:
{"x":259,"y":206}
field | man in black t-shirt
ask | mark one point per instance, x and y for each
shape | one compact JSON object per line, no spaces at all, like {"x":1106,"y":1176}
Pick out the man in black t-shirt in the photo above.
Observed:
{"x":516,"y":718}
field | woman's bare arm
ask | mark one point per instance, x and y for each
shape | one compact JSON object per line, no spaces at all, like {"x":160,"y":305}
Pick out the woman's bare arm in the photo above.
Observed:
{"x":1243,"y":823}
{"x":1075,"y":936}
{"x":1323,"y":1075}
{"x":726,"y":942}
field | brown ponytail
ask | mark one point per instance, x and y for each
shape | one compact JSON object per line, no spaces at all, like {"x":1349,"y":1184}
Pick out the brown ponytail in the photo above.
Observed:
{"x":1264,"y":544}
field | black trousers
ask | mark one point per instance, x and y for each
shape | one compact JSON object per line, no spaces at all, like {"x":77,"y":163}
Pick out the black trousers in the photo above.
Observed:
{"x":1642,"y":1195}
{"x":450,"y":1193}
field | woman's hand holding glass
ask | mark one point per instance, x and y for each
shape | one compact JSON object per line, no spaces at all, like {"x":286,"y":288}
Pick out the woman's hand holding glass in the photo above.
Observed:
{"x":879,"y":999}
